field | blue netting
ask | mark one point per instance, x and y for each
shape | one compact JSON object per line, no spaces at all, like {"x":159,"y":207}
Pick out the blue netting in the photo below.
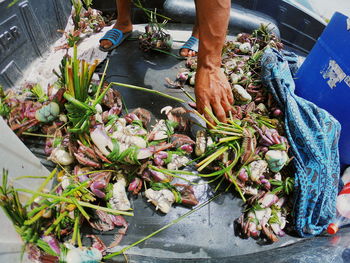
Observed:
{"x":313,"y":135}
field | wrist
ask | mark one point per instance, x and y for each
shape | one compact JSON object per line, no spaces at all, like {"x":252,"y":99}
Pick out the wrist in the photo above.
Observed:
{"x":209,"y":62}
{"x":209,"y":57}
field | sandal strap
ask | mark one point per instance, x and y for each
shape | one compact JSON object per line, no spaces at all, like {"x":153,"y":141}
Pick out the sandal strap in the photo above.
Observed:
{"x":114,"y":35}
{"x":191,"y":43}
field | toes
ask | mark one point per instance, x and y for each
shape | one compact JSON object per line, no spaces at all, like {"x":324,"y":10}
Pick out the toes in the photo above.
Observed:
{"x":184,"y":52}
{"x":105,"y":43}
{"x":192,"y":53}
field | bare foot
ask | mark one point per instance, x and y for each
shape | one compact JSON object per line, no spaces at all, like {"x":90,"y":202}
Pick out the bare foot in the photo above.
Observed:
{"x":185,"y":52}
{"x":124,"y":27}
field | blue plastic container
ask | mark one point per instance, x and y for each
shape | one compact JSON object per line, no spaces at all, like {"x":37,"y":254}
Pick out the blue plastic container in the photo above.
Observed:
{"x":324,"y":77}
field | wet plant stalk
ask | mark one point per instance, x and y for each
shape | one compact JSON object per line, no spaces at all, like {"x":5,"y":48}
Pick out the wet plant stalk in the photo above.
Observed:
{"x":84,"y":204}
{"x":42,"y":186}
{"x":56,"y":222}
{"x":161,"y":229}
{"x":148,"y":90}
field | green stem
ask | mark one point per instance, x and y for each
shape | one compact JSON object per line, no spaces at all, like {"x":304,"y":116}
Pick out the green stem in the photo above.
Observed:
{"x":236,"y":125}
{"x":105,"y":209}
{"x":42,"y":186}
{"x":188,"y":94}
{"x":204,"y":119}
{"x":149,"y":11}
{"x":80,"y":244}
{"x":78,"y":103}
{"x":161,"y":229}
{"x":30,"y":176}
{"x":35,"y":210}
{"x":219,"y":184}
{"x":148,"y":90}
{"x":38,"y":209}
{"x":225,"y":132}
{"x":210,"y":113}
{"x":55,"y":223}
{"x":101,"y":81}
{"x":82,"y":211}
{"x":229,"y":173}
{"x":198,"y":174}
{"x":75,"y":230}
{"x":34,"y":219}
{"x":84,"y":204}
{"x":236,"y":186}
{"x":228,"y":127}
{"x":164,"y":171}
{"x":229,"y":139}
{"x":38,"y":135}
{"x":211,"y":158}
{"x":168,"y":53}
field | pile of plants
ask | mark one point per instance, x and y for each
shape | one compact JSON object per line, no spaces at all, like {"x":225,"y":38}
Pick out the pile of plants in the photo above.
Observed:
{"x":86,"y":21}
{"x":102,"y":151}
{"x":249,"y":150}
{"x":155,"y":37}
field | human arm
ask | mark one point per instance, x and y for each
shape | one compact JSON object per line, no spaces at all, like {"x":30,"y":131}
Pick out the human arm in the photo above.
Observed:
{"x":212,"y":88}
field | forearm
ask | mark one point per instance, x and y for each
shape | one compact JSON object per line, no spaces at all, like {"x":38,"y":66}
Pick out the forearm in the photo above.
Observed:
{"x":213,"y":18}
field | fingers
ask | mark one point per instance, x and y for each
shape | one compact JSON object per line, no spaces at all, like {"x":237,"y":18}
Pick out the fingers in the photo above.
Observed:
{"x":226,"y":104}
{"x":202,"y":104}
{"x":193,"y":105}
{"x":219,"y":111}
{"x":207,"y":116}
{"x":230,"y":96}
{"x":213,"y":106}
{"x":213,"y":92}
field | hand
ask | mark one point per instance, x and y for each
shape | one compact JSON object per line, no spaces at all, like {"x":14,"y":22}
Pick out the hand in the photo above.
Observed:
{"x":213,"y":92}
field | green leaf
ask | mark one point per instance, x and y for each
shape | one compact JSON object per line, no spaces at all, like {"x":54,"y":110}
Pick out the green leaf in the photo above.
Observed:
{"x":274,"y":218}
{"x":12,"y":3}
{"x":281,"y":147}
{"x":4,"y":109}
{"x":39,"y":92}
{"x":57,"y":141}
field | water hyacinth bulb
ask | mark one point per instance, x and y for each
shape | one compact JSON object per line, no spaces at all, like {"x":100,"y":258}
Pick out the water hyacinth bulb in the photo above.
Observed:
{"x":268,"y":200}
{"x":257,"y":169}
{"x":78,"y":255}
{"x":162,"y":199}
{"x":235,"y":78}
{"x":183,"y":76}
{"x":193,"y":79}
{"x":243,"y":175}
{"x":61,"y":156}
{"x":187,"y":148}
{"x":245,"y":47}
{"x":48,"y":112}
{"x":276,"y":160}
{"x":241,"y":94}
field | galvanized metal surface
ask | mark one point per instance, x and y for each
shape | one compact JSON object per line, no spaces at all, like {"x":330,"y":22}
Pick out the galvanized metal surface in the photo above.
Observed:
{"x":19,"y":161}
{"x":27,"y":29}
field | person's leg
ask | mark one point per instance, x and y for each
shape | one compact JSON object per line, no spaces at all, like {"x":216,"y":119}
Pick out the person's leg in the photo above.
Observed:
{"x":123,"y":20}
{"x":185,"y":52}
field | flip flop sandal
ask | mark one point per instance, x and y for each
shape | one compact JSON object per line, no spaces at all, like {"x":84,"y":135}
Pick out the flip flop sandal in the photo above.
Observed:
{"x":116,"y":36}
{"x":191,"y":44}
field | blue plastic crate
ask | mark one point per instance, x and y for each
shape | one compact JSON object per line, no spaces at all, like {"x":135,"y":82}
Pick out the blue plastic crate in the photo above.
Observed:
{"x":324,"y":77}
